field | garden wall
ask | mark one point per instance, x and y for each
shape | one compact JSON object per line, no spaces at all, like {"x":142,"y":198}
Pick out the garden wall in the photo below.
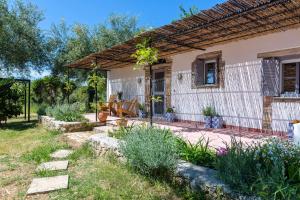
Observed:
{"x":67,"y":127}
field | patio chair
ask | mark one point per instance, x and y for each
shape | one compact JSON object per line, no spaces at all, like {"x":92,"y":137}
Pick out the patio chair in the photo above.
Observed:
{"x":110,"y":104}
{"x":128,"y":108}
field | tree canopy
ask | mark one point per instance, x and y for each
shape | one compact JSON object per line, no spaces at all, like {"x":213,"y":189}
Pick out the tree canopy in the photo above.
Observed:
{"x":74,"y":42}
{"x":184,"y":13}
{"x":23,"y":45}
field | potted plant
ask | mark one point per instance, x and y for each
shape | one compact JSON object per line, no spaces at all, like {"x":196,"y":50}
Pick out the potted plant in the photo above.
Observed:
{"x":208,"y":113}
{"x":142,"y":111}
{"x":103,"y":114}
{"x":217,"y":121}
{"x":170,"y":115}
{"x":120,"y":94}
{"x":122,"y":122}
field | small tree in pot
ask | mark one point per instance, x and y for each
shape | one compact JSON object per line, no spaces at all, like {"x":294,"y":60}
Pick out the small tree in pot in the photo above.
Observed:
{"x":170,"y":115}
{"x":103,"y":114}
{"x":208,"y":113}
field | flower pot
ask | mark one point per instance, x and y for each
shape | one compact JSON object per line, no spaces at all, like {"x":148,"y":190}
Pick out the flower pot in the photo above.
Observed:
{"x":217,"y":122}
{"x":170,"y":117}
{"x":122,"y":122}
{"x":207,"y":122}
{"x":142,"y":114}
{"x":102,"y":116}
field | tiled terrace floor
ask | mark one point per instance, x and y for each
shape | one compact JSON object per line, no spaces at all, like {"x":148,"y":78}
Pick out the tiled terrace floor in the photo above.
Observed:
{"x":193,"y":131}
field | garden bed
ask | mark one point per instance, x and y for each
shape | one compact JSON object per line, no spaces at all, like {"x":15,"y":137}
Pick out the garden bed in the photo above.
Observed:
{"x":200,"y":179}
{"x":52,"y":124}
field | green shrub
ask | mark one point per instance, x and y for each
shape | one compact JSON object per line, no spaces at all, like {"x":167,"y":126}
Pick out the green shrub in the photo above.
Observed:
{"x":121,"y":132}
{"x":41,"y":153}
{"x":66,"y":112}
{"x":271,"y":170}
{"x":150,"y":150}
{"x":85,"y":151}
{"x":209,"y":111}
{"x":198,"y":154}
{"x":41,"y":109}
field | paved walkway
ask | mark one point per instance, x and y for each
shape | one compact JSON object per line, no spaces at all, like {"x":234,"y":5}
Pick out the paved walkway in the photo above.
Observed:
{"x":193,"y":132}
{"x":48,"y":184}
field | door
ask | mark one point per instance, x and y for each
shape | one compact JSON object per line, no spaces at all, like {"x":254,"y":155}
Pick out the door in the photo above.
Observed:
{"x":158,"y":91}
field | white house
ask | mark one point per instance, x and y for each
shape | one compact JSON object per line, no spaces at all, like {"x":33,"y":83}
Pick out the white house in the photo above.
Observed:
{"x":241,"y":57}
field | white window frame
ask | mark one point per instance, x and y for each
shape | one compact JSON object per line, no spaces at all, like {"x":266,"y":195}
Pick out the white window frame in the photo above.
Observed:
{"x":216,"y":71}
{"x":297,"y":61}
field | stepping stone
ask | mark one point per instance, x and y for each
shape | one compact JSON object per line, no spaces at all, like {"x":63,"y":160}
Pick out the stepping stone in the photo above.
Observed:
{"x":43,"y":185}
{"x":52,"y":166}
{"x":61,"y":153}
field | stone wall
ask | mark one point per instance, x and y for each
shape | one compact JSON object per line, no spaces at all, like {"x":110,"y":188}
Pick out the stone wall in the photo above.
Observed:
{"x":67,"y":127}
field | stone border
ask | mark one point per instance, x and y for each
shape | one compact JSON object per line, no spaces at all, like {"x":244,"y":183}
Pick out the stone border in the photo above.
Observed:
{"x":66,"y":127}
{"x":199,"y":178}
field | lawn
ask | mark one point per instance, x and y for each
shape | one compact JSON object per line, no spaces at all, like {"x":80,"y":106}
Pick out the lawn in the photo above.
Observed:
{"x":24,"y":145}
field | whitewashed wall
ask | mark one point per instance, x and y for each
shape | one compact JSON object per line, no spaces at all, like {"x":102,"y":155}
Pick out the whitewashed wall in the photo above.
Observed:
{"x":283,"y":113}
{"x":240,"y":101}
{"x":126,"y":80}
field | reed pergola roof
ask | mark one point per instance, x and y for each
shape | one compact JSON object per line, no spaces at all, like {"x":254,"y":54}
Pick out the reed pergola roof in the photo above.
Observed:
{"x":226,"y":22}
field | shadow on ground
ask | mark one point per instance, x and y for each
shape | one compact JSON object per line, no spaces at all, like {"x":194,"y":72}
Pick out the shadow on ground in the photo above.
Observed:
{"x":19,"y":125}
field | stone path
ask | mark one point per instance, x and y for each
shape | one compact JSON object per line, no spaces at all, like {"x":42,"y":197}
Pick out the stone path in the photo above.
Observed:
{"x":61,"y":154}
{"x":48,"y":184}
{"x":52,"y":166}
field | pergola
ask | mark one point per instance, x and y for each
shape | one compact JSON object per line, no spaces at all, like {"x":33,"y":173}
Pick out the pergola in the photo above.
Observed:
{"x":226,"y":22}
{"x":230,"y":21}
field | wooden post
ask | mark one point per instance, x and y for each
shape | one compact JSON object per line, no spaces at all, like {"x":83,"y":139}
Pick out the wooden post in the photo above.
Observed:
{"x":25,"y":101}
{"x":150,"y":100}
{"x":29,"y":83}
{"x":68,"y":83}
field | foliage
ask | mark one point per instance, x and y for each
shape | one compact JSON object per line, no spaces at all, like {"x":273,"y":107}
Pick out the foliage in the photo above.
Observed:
{"x":271,"y":169}
{"x":77,"y":41}
{"x":209,"y":111}
{"x":42,"y":153}
{"x":198,"y":154}
{"x":11,"y":99}
{"x":96,"y":80}
{"x":41,"y":109}
{"x":150,"y":150}
{"x":142,"y":107}
{"x":66,"y":112}
{"x":145,"y":54}
{"x":85,"y":151}
{"x":121,"y":132}
{"x":170,"y":110}
{"x":188,"y":13}
{"x":47,"y":90}
{"x":23,"y":46}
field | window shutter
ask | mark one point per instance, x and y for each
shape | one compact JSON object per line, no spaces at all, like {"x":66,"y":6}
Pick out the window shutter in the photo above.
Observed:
{"x":271,"y":77}
{"x":197,"y":73}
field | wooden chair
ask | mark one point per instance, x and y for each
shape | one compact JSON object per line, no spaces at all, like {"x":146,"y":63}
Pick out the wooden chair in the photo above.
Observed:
{"x":110,"y":104}
{"x":128,"y":108}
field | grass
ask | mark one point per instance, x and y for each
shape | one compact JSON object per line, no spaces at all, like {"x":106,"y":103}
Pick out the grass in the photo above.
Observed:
{"x":23,"y":145}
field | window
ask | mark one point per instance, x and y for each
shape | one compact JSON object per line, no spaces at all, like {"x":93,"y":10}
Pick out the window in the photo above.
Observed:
{"x":210,"y":68}
{"x":290,"y":75}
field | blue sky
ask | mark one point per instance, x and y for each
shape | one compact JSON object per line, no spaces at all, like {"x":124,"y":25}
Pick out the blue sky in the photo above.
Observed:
{"x":151,"y":13}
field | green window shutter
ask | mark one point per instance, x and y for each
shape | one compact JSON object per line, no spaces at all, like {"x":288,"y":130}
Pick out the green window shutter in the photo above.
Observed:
{"x":197,"y":73}
{"x":271,"y":77}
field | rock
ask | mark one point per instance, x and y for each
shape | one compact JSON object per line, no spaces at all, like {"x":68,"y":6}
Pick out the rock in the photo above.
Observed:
{"x":61,"y":153}
{"x":42,"y":185}
{"x":54,"y":165}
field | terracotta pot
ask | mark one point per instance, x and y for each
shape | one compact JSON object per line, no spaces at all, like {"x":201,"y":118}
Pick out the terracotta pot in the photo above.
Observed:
{"x":122,"y":122}
{"x":102,"y":116}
